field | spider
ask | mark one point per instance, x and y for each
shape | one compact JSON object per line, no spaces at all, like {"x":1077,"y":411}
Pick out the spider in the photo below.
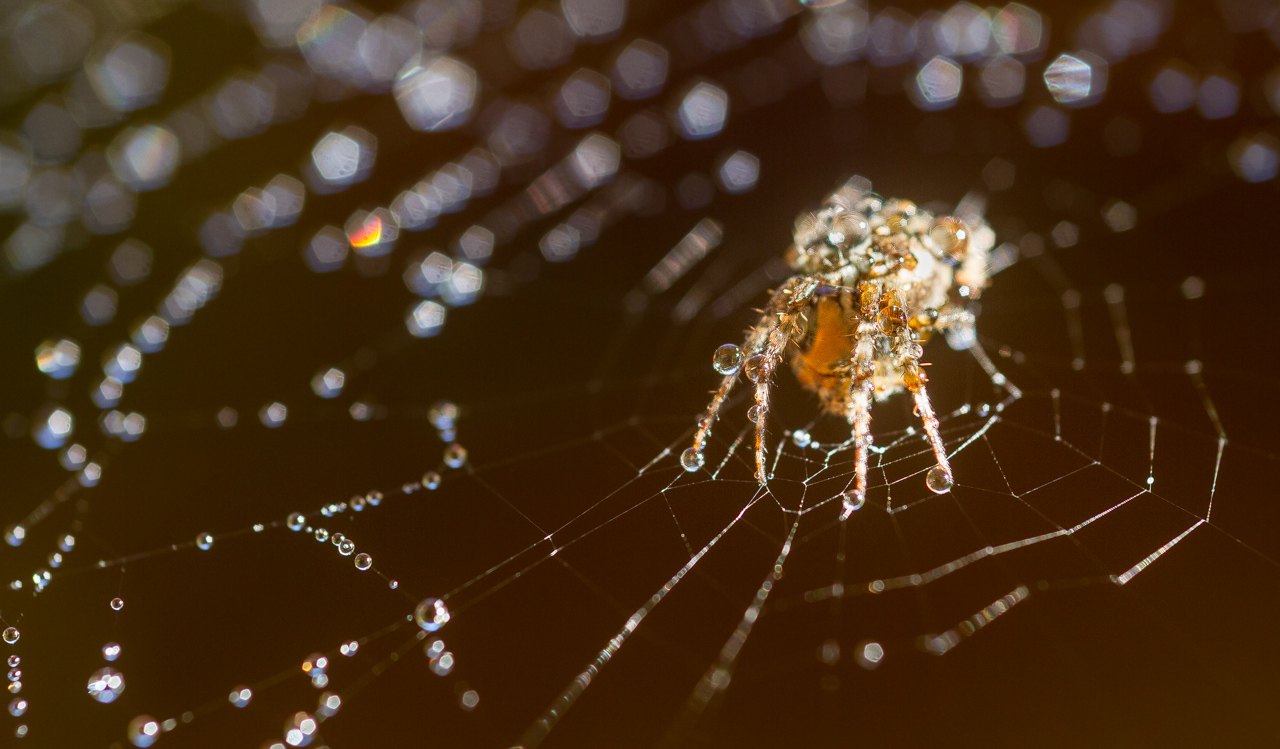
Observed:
{"x":874,"y":280}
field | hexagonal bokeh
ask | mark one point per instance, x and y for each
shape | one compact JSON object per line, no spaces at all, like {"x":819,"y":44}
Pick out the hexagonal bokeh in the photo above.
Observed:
{"x":1173,"y":88}
{"x":644,"y":134}
{"x":51,"y":131}
{"x":330,"y":41}
{"x":446,"y":24}
{"x":277,"y":21}
{"x":387,"y":45}
{"x":640,"y":69}
{"x":144,"y":157}
{"x":1001,"y":81}
{"x":837,"y":34}
{"x":541,"y":39}
{"x":50,"y":38}
{"x":436,"y":93}
{"x":289,"y":196}
{"x":242,"y":107}
{"x":328,"y":382}
{"x":739,"y":172}
{"x":1018,"y":30}
{"x":130,"y":263}
{"x":130,"y":71}
{"x":425,"y":319}
{"x":1218,"y":97}
{"x":341,"y":159}
{"x":99,"y":305}
{"x":583,"y":99}
{"x":58,"y":359}
{"x":425,"y":275}
{"x":1076,"y":80}
{"x":595,"y":160}
{"x":327,"y":250}
{"x":1255,"y":158}
{"x":702,"y":111}
{"x":372,"y":233}
{"x":515,"y":132}
{"x":594,"y":20}
{"x":937,"y":84}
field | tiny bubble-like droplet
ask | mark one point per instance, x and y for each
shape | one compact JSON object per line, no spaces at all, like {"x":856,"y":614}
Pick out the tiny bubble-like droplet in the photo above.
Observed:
{"x":691,"y":459}
{"x":110,"y":652}
{"x":455,"y":455}
{"x":14,"y":660}
{"x":322,"y":535}
{"x":727,"y":359}
{"x":117,"y":604}
{"x":346,"y":547}
{"x":852,"y":501}
{"x":296,"y":521}
{"x":431,"y":614}
{"x":204,"y":541}
{"x":143,"y":731}
{"x":753,"y":414}
{"x":431,"y":480}
{"x":363,"y":561}
{"x":753,"y":367}
{"x":17,"y":706}
{"x":939,"y":480}
{"x":374,"y":498}
{"x":801,"y":438}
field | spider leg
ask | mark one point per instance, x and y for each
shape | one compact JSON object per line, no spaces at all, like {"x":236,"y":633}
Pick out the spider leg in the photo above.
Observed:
{"x":860,"y":413}
{"x":763,"y":347}
{"x":938,"y":479}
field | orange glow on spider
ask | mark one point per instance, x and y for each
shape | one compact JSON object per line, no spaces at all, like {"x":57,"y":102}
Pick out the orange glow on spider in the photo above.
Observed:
{"x":368,"y":234}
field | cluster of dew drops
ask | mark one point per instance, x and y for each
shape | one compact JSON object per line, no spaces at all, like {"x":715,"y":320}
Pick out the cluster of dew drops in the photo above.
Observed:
{"x":108,"y":683}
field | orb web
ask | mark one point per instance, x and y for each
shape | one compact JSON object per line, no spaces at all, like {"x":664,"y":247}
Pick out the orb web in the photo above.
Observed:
{"x":436,"y":472}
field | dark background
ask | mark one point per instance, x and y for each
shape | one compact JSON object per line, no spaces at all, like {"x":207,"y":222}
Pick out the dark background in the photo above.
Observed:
{"x":564,"y":396}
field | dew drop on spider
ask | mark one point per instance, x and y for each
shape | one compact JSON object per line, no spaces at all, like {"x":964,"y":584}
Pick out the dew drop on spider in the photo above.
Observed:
{"x":801,"y":438}
{"x":938,"y":480}
{"x":753,"y":414}
{"x":322,"y":535}
{"x":852,"y":502}
{"x":753,"y":366}
{"x":363,"y":561}
{"x":727,"y":359}
{"x":296,"y":521}
{"x":692,"y":459}
{"x":455,"y":455}
{"x":346,"y":547}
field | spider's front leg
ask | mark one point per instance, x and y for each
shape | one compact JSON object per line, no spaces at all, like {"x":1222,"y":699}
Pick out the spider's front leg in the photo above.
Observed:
{"x":763,"y":350}
{"x":862,"y":369}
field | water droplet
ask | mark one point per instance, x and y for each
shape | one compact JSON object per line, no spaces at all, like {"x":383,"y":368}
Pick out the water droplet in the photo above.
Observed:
{"x":455,"y":455}
{"x":15,"y":687}
{"x":727,"y":359}
{"x":364,"y":562}
{"x":11,"y":635}
{"x":143,"y":731}
{"x":296,"y":521}
{"x":17,"y":706}
{"x":240,"y":696}
{"x":106,"y":684}
{"x":443,"y":414}
{"x":15,"y":674}
{"x":374,"y":498}
{"x":322,"y":535}
{"x":692,"y":459}
{"x":431,"y":480}
{"x":357,"y":504}
{"x":801,"y":438}
{"x":346,"y":547}
{"x":938,"y":480}
{"x":337,"y":539}
{"x":204,"y":541}
{"x":315,"y":664}
{"x":117,"y":604}
{"x":852,"y":502}
{"x":443,"y":665}
{"x":259,"y":527}
{"x":753,"y":414}
{"x":431,"y":614}
{"x":110,"y":651}
{"x":753,"y":367}
{"x":14,"y":660}
{"x":393,"y":584}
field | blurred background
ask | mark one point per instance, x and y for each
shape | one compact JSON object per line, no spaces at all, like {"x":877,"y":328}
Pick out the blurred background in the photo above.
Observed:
{"x":445,"y":278}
